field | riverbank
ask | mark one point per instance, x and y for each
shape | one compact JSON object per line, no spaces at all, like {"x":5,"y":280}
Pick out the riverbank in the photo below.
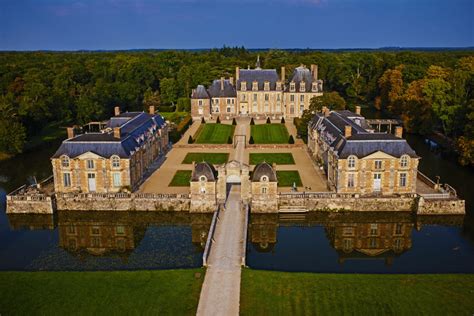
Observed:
{"x":163,"y":292}
{"x":285,"y":293}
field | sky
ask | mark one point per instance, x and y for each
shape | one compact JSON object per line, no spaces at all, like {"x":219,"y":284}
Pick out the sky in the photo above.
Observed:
{"x":187,"y":24}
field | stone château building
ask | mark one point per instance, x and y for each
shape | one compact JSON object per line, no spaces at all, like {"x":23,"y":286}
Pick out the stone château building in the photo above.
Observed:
{"x":358,"y":160}
{"x":258,"y":92}
{"x":111,"y":156}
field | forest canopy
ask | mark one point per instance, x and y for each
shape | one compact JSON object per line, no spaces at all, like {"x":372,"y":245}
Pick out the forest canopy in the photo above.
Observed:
{"x":430,"y":90}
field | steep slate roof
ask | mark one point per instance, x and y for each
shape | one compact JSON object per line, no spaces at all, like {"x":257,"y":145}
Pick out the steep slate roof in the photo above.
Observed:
{"x":215,"y":89}
{"x":133,"y":133}
{"x":264,"y":169}
{"x":200,"y":93}
{"x":300,"y":74}
{"x":204,"y":169}
{"x":259,"y":75}
{"x":362,"y":142}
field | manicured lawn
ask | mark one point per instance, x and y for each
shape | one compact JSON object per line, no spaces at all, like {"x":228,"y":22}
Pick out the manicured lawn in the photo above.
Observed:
{"x":287,"y":178}
{"x":212,"y":133}
{"x":278,"y":158}
{"x":175,"y":117}
{"x":284,"y":293}
{"x":269,"y":134}
{"x":166,"y":292}
{"x":214,"y":158}
{"x":181,"y":178}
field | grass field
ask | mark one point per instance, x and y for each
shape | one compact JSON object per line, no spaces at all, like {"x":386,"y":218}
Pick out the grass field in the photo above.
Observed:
{"x":269,"y":134}
{"x":278,"y":158}
{"x":283,"y":293}
{"x":181,"y":178}
{"x":214,"y":158}
{"x":166,"y":292}
{"x":212,"y":133}
{"x":287,"y":178}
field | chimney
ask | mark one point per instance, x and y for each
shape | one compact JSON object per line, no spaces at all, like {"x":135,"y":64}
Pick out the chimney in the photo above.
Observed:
{"x":70,"y":132}
{"x":237,"y":73}
{"x":222,"y":83}
{"x":325,"y":111}
{"x":231,"y":80}
{"x":283,"y":75}
{"x":399,"y":131}
{"x":117,"y":132}
{"x":117,"y":111}
{"x":151,"y":109}
{"x":314,"y":71}
{"x":348,"y":131}
{"x":357,"y":110}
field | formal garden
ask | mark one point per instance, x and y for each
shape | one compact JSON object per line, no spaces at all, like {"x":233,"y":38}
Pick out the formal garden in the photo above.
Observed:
{"x":213,"y":158}
{"x":214,"y":133}
{"x":181,"y":178}
{"x":270,"y":133}
{"x":288,"y":178}
{"x":271,"y":158}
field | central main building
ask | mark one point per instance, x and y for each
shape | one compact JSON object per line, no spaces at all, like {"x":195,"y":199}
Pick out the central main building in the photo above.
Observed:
{"x":257,"y":92}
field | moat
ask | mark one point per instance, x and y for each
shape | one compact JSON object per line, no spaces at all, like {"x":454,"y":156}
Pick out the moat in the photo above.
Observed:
{"x":401,"y":243}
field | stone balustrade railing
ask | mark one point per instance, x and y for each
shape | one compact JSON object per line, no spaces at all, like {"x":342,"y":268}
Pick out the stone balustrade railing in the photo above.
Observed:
{"x":121,"y":195}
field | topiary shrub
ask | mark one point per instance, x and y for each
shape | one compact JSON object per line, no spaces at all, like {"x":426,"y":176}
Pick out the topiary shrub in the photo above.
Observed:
{"x":218,"y":121}
{"x":229,"y":140}
{"x":251,"y":141}
{"x":252,"y":122}
{"x":282,"y":120}
{"x":190,"y":140}
{"x":268,"y":120}
{"x":234,"y":122}
{"x":291,"y":140}
{"x":203,"y":121}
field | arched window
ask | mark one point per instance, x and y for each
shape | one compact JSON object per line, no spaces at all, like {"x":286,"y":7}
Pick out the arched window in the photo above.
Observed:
{"x":202,"y":178}
{"x":65,"y":161}
{"x":351,"y":162}
{"x":264,"y":179}
{"x":115,"y":161}
{"x":404,"y":161}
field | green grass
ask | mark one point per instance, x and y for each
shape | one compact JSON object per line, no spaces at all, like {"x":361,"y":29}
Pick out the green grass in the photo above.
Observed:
{"x":48,"y":134}
{"x":212,"y":133}
{"x":181,"y":178}
{"x":174,"y":117}
{"x":283,"y":293}
{"x":286,"y":178}
{"x":278,"y":158}
{"x":166,"y":292}
{"x":269,"y":134}
{"x":214,"y":158}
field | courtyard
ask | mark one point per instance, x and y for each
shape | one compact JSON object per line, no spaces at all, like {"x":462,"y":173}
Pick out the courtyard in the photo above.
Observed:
{"x":214,"y":133}
{"x":274,"y":133}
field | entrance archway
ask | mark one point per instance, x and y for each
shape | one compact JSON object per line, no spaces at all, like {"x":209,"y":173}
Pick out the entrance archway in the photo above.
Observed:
{"x":233,"y":179}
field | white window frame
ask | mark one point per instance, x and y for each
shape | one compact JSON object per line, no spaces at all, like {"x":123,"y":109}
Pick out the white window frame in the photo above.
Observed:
{"x":90,"y":164}
{"x":116,"y":179}
{"x":351,"y":162}
{"x":402,"y":180}
{"x":115,"y":161}
{"x":67,"y":179}
{"x":65,"y":161}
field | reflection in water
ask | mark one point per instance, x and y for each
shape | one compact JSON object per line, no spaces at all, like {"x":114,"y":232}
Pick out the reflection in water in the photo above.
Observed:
{"x":330,"y":242}
{"x":113,"y":240}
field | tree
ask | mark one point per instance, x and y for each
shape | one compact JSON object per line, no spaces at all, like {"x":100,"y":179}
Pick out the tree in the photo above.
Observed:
{"x":436,"y":91}
{"x":391,"y":90}
{"x":234,"y":122}
{"x":229,"y":140}
{"x":12,"y":132}
{"x":282,"y":120}
{"x":291,"y":140}
{"x":331,"y":100}
{"x":465,"y":147}
{"x":184,"y":105}
{"x":268,"y":120}
{"x":203,"y":121}
{"x":151,"y":98}
{"x":218,"y":121}
{"x":252,"y":122}
{"x":251,"y":141}
{"x":168,"y":90}
{"x":190,"y":140}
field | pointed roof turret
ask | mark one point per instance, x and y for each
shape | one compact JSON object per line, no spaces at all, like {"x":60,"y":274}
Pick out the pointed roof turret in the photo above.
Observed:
{"x":257,"y":64}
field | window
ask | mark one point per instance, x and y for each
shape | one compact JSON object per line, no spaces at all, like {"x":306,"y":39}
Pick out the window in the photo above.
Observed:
{"x":302,"y":86}
{"x":350,"y":180}
{"x":403,"y":180}
{"x":267,"y":86}
{"x":278,"y":97}
{"x":347,"y":244}
{"x":373,"y":243}
{"x":373,"y":229}
{"x":301,"y":98}
{"x":398,"y":244}
{"x":348,"y":231}
{"x":351,"y":162}
{"x":264,"y":179}
{"x":65,"y":161}
{"x":243,"y":86}
{"x":378,"y":164}
{"x":292,"y":98}
{"x":264,"y":190}
{"x":116,"y":179}
{"x":292,"y":87}
{"x":266,"y":97}
{"x":95,"y":242}
{"x":95,"y":230}
{"x":67,"y":179}
{"x":71,"y":230}
{"x":404,"y":161}
{"x":314,"y":87}
{"x":255,"y":86}
{"x":203,"y":190}
{"x":398,"y":229}
{"x":90,"y":164}
{"x":228,"y":101}
{"x":202,"y":178}
{"x":200,"y":102}
{"x":115,"y":162}
{"x":216,"y":101}
{"x":244,"y":97}
{"x":120,"y":230}
{"x":278,"y":86}
{"x":255,"y":97}
{"x":228,"y":109}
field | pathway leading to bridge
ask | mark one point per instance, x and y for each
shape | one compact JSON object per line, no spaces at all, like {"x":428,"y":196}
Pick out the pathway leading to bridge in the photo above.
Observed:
{"x":220,"y":293}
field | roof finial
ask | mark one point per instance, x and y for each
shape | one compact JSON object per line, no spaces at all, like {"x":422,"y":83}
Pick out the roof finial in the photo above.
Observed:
{"x":257,"y":64}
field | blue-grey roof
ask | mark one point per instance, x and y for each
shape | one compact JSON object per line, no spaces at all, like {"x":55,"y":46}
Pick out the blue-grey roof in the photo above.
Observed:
{"x":200,"y":93}
{"x":303,"y":74}
{"x":264,"y":169}
{"x":204,"y":169}
{"x":361,"y":143}
{"x":215,"y":90}
{"x":259,"y":75}
{"x":132,"y":135}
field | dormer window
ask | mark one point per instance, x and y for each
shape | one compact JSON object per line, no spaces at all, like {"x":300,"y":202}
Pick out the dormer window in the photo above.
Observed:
{"x":292,"y":87}
{"x":202,"y":179}
{"x":264,"y":179}
{"x":267,"y":86}
{"x":404,"y":161}
{"x":314,"y":87}
{"x":302,"y":86}
{"x":65,"y":161}
{"x":278,"y":86}
{"x":200,"y":102}
{"x":255,"y":86}
{"x":243,"y":86}
{"x":115,"y":162}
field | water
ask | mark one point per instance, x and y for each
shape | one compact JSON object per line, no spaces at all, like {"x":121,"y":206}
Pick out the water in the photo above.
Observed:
{"x":401,"y":243}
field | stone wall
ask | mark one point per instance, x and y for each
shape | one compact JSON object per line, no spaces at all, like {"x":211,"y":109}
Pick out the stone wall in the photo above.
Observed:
{"x":440,"y":206}
{"x":31,"y":205}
